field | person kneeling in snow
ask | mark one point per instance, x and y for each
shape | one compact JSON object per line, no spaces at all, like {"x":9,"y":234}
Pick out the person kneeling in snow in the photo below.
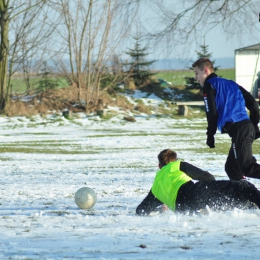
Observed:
{"x":174,"y":187}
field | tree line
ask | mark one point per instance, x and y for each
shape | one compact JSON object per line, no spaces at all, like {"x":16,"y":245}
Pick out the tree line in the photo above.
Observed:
{"x":84,"y":40}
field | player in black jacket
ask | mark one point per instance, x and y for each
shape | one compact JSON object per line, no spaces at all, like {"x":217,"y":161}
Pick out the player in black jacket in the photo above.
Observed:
{"x":226,"y":103}
{"x":174,"y":186}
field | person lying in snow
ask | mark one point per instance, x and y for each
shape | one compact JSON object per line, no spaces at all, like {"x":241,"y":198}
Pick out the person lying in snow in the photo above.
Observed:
{"x":174,"y":187}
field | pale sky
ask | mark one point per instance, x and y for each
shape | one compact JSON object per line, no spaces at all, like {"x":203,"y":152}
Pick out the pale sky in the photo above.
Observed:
{"x":220,"y":44}
{"x":224,"y":45}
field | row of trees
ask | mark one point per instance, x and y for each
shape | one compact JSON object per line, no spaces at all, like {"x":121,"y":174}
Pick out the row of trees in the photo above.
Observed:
{"x":83,"y":39}
{"x":76,"y":38}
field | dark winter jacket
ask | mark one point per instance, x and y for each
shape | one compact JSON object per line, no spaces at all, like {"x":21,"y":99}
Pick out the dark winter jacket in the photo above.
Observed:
{"x":225,"y":103}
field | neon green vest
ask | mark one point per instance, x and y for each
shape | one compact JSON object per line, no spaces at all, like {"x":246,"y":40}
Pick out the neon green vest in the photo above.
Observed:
{"x":167,"y":182}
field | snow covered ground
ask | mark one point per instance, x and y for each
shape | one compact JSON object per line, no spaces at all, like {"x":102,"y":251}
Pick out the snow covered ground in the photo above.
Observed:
{"x":45,"y":161}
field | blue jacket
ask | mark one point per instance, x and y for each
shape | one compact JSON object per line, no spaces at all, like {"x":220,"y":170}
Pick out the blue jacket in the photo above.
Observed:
{"x":226,"y":102}
{"x":230,"y":103}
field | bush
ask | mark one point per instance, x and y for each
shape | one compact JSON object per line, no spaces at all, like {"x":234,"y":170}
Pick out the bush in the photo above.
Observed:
{"x":142,"y":108}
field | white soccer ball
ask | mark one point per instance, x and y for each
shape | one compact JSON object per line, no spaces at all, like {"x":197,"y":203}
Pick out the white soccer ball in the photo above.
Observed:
{"x":85,"y":198}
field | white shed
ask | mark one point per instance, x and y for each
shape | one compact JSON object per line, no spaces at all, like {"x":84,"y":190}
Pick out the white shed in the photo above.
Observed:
{"x":247,"y":68}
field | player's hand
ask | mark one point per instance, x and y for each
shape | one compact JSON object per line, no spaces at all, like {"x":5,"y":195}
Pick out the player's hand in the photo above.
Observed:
{"x":163,"y":208}
{"x":211,"y":141}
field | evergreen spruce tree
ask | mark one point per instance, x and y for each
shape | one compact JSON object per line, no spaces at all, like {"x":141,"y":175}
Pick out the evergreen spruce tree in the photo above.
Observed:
{"x":191,"y":83}
{"x":138,"y":67}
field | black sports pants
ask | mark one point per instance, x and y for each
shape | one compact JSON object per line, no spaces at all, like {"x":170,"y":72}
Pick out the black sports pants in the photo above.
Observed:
{"x":218,"y":195}
{"x":240,"y":160}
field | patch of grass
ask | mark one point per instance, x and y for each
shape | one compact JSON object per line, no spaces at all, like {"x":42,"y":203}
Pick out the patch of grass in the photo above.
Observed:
{"x":177,"y":77}
{"x":51,"y":149}
{"x":32,"y":119}
{"x":139,"y":101}
{"x":142,"y":108}
{"x":77,"y":123}
{"x":19,"y":86}
{"x":227,"y":73}
{"x":123,"y":102}
{"x":218,"y":150}
{"x":109,"y":115}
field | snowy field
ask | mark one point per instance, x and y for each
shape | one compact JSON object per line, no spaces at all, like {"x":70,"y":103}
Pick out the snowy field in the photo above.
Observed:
{"x":45,"y":161}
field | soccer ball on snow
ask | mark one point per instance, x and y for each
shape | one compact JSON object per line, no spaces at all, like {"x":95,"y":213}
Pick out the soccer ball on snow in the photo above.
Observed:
{"x":85,"y":198}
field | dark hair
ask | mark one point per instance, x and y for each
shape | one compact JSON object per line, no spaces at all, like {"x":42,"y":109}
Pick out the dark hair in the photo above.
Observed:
{"x":202,"y":63}
{"x":166,"y":156}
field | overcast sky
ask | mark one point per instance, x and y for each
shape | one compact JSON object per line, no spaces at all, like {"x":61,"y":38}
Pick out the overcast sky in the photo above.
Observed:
{"x":224,"y":45}
{"x":220,"y":44}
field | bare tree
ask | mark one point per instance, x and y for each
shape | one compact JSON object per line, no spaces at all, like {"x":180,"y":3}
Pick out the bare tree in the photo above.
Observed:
{"x":91,"y":31}
{"x":9,"y":11}
{"x":179,"y":23}
{"x":30,"y":35}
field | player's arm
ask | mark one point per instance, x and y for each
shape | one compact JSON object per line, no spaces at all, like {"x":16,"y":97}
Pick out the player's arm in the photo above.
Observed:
{"x":210,"y":105}
{"x":196,"y":173}
{"x":149,"y":204}
{"x":252,"y":106}
{"x":211,"y":112}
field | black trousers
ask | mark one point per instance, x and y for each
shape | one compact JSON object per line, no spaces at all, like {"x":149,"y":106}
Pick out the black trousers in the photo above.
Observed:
{"x":218,"y":195}
{"x":240,"y":160}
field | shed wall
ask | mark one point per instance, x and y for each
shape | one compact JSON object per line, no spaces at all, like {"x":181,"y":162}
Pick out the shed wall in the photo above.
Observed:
{"x":247,"y":69}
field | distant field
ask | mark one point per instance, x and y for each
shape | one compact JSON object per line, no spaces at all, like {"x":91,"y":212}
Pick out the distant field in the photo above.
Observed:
{"x":176,"y":77}
{"x":19,"y":86}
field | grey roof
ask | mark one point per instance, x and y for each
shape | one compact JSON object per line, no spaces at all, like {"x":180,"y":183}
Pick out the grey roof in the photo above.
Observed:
{"x":251,"y":47}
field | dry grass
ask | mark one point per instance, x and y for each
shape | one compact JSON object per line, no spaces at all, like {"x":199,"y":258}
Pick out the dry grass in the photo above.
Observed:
{"x":68,"y":99}
{"x":142,"y":108}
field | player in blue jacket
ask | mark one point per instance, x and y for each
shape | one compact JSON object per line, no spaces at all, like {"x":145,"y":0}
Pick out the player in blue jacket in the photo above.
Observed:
{"x":226,"y":104}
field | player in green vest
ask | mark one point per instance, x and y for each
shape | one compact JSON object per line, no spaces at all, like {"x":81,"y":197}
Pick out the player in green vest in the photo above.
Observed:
{"x":174,"y":188}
